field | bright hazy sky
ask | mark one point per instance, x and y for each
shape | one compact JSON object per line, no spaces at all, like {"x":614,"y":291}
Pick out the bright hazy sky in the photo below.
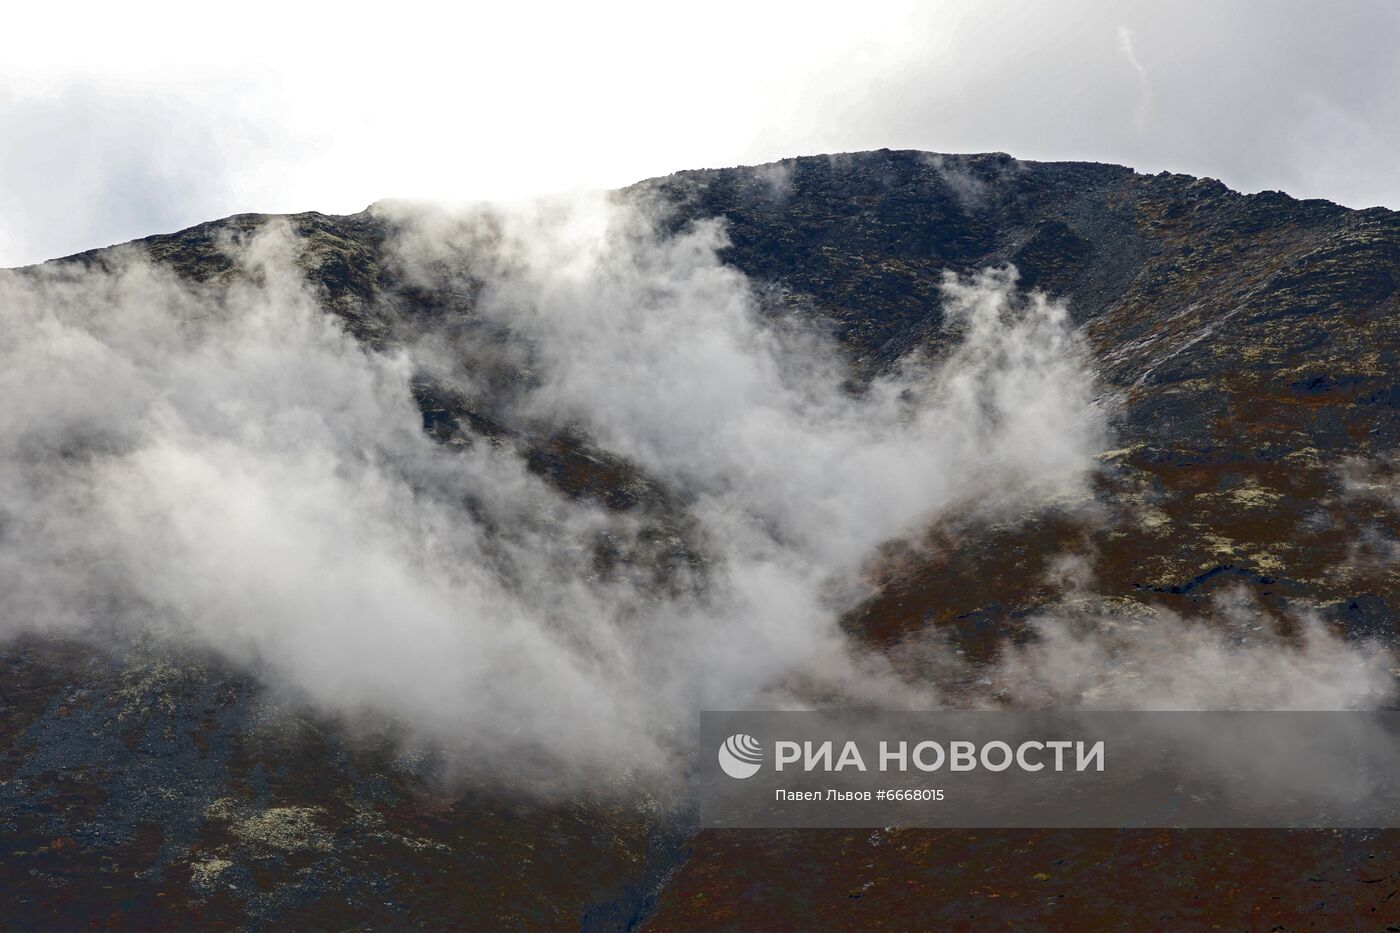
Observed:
{"x":120,"y":120}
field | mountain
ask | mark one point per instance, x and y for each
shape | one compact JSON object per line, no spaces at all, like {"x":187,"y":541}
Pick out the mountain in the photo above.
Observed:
{"x":1244,"y":347}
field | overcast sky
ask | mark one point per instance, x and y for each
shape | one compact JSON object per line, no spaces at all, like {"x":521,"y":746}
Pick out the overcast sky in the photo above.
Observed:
{"x":120,"y":120}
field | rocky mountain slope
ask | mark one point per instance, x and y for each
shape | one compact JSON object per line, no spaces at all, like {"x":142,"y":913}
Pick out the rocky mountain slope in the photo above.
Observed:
{"x":1247,"y":344}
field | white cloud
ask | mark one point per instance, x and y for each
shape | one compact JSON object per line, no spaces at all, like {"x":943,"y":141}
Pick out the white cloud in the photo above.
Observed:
{"x":1231,"y":658}
{"x":1144,"y":101}
{"x":228,"y":467}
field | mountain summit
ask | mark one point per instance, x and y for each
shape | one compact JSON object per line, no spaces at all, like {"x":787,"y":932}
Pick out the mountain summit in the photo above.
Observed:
{"x":1140,"y":423}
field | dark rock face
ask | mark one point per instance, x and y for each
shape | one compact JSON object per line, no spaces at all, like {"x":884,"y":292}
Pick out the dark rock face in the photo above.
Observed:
{"x":1251,"y":341}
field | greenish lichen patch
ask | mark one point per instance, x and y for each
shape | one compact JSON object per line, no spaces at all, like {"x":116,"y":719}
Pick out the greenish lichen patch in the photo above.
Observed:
{"x":205,"y":873}
{"x":282,"y":829}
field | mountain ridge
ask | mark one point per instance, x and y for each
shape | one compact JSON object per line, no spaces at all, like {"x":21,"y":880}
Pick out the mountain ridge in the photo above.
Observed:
{"x":1248,"y":344}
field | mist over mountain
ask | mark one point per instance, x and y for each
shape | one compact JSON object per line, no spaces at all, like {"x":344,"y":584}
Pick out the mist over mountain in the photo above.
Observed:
{"x":346,"y":558}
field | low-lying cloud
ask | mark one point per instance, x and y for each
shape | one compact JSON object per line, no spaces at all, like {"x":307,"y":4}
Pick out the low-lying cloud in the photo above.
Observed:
{"x":226,"y":466}
{"x":1231,"y":658}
